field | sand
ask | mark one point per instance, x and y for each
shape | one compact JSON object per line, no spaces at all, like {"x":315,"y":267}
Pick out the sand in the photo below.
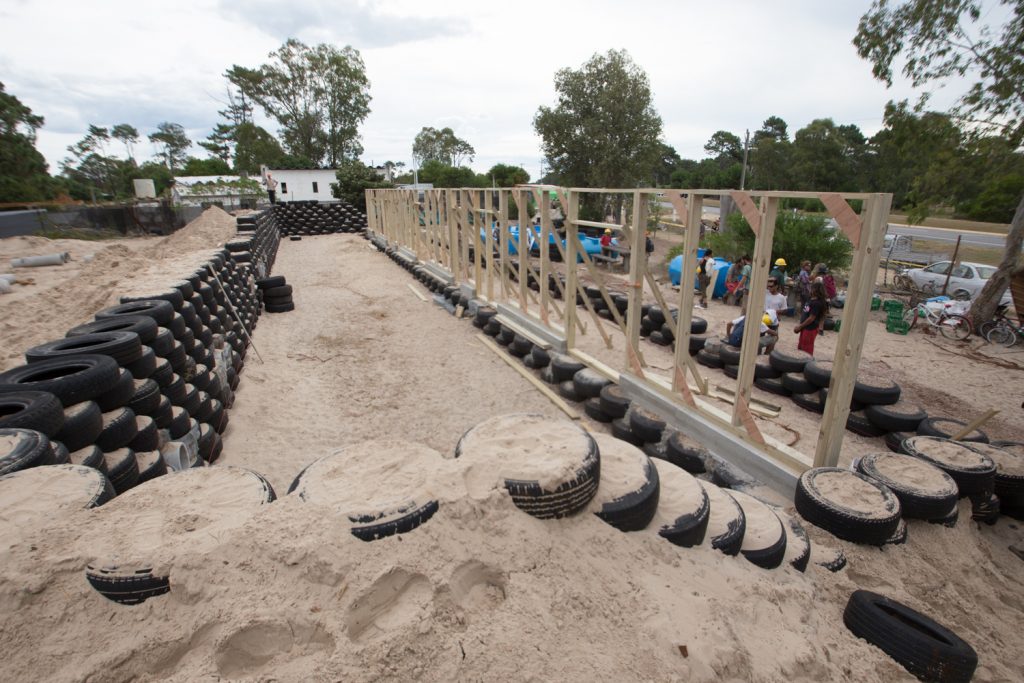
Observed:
{"x":482,"y":591}
{"x":949,"y":453}
{"x":852,"y":492}
{"x":914,"y":472}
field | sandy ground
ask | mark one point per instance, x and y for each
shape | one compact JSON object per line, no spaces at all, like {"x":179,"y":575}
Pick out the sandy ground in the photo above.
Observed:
{"x":481,"y":591}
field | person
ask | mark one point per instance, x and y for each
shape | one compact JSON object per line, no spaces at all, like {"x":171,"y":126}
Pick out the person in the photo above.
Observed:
{"x":649,"y":245}
{"x":827,"y":280}
{"x":271,"y":183}
{"x":803,"y":283}
{"x":779,"y":273}
{"x":606,"y":244}
{"x":744,"y":287}
{"x":812,"y":317}
{"x":774,"y":299}
{"x":766,"y":342}
{"x":704,"y":267}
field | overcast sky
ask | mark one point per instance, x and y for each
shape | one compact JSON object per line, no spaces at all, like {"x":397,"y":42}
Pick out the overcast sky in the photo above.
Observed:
{"x":482,"y":68}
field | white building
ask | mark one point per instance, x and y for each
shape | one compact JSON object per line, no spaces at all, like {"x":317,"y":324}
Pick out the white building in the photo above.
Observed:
{"x":297,"y":185}
{"x":229,"y":191}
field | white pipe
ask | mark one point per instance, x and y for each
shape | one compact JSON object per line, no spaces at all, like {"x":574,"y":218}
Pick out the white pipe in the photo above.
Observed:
{"x":8,"y":278}
{"x":57,"y":259}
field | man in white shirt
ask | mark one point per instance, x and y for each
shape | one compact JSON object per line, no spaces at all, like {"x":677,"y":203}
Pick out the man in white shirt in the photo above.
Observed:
{"x":774,"y":299}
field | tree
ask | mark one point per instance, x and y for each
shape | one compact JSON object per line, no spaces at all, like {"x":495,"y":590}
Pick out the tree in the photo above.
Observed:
{"x":938,"y":40}
{"x":441,"y":145}
{"x":668,"y":162}
{"x":128,"y":135}
{"x":221,"y":142}
{"x":173,"y":142}
{"x":504,"y":175}
{"x":440,"y":174}
{"x":725,"y":147}
{"x":255,"y":146}
{"x":797,"y":237}
{"x":23,"y":172}
{"x":318,"y":96}
{"x":354,"y":178}
{"x":604,"y":131}
{"x":825,"y":157}
{"x":211,"y":166}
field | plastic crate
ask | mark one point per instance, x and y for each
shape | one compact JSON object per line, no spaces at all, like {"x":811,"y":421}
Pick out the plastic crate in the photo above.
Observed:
{"x":893,"y":306}
{"x":897,"y":327}
{"x":839,"y":324}
{"x":876,"y":302}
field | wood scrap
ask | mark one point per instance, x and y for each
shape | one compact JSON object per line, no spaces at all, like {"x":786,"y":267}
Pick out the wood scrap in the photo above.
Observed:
{"x":544,"y":389}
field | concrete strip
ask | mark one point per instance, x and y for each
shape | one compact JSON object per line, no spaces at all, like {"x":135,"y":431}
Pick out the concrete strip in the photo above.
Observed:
{"x":534,"y":327}
{"x":719,"y":441}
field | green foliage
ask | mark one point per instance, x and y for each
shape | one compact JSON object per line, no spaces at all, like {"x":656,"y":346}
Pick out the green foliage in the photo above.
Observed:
{"x":943,"y":42}
{"x":255,"y":146}
{"x":354,"y":178}
{"x":604,"y":131}
{"x":23,"y":174}
{"x":797,"y":237}
{"x":174,"y":144}
{"x":827,"y":157}
{"x":995,"y":202}
{"x":724,"y":147}
{"x":318,"y":95}
{"x":505,"y":175}
{"x":128,"y":135}
{"x":442,"y":146}
{"x":442,"y":175}
{"x":210,"y":166}
{"x":668,"y":161}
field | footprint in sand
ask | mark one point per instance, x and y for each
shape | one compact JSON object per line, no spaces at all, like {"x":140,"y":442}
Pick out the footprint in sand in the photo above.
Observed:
{"x":395,"y":599}
{"x":250,"y":650}
{"x":475,"y":585}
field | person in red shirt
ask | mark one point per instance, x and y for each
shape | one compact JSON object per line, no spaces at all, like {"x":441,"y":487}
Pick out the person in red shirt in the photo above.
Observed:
{"x":811,"y":316}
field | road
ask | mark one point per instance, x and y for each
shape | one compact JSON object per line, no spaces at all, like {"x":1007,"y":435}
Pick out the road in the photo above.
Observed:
{"x":977,"y":239}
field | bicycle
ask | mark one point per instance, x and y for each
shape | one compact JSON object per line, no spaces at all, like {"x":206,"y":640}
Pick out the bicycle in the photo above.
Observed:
{"x":1004,"y":331}
{"x":950,"y":325}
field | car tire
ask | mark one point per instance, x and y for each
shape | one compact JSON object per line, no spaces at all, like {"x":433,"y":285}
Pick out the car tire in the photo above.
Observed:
{"x":37,"y":410}
{"x":874,"y":522}
{"x":925,"y":491}
{"x":70,"y":379}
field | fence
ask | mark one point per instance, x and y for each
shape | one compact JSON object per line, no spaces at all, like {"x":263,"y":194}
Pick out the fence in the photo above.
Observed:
{"x":532,"y":276}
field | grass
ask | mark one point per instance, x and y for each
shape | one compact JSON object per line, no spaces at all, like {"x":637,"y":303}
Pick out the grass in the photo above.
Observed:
{"x":944,"y":250}
{"x":954,"y":224}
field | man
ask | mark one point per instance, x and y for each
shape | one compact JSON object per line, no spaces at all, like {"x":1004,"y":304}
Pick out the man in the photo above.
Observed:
{"x":271,"y":184}
{"x":779,"y":273}
{"x":774,"y":299}
{"x":704,"y":267}
{"x":744,"y":287}
{"x":766,"y":342}
{"x":812,"y":315}
{"x":803,"y":283}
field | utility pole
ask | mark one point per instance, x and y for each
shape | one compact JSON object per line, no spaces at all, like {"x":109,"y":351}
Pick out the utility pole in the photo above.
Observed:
{"x":746,"y":151}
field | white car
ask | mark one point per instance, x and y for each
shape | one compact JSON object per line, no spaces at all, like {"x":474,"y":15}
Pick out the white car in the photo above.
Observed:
{"x":965,"y":282}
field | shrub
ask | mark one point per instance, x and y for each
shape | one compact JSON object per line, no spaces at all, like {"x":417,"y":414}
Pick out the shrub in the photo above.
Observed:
{"x":797,"y":237}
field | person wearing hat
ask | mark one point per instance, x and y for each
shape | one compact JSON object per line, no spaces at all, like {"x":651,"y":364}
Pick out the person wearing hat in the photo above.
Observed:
{"x":779,"y":273}
{"x":766,"y":342}
{"x":606,"y":243}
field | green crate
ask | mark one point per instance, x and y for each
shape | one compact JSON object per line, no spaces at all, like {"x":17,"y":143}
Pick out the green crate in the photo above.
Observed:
{"x":893,"y":306}
{"x":895,"y":316}
{"x":838,"y":325}
{"x":876,"y":302}
{"x":897,"y":327}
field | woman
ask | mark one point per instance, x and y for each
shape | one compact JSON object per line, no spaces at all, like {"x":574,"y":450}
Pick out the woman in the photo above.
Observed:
{"x":812,"y":315}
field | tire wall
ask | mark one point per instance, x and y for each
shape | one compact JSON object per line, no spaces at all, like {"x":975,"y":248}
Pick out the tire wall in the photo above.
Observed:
{"x":316,"y":218}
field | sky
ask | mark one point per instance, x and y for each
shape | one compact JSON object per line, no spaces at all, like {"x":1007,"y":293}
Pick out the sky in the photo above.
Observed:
{"x":482,"y":68}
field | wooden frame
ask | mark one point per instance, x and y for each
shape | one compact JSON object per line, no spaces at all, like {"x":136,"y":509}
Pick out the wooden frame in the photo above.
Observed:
{"x":450,"y":238}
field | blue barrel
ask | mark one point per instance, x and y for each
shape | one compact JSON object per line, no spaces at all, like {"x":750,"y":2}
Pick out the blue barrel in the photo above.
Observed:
{"x":675,"y":271}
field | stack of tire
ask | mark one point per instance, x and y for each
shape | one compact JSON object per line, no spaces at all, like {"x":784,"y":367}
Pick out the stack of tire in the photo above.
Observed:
{"x":258,"y":234}
{"x":311,"y":217}
{"x":661,"y":329}
{"x":276,"y":294}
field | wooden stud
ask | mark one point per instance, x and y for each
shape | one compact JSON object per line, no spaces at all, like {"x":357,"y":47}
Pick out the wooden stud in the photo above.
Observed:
{"x":748,"y":209}
{"x":689,"y":268}
{"x":849,"y":222}
{"x":974,"y":424}
{"x":571,"y":281}
{"x":851,"y":335}
{"x":754,"y":309}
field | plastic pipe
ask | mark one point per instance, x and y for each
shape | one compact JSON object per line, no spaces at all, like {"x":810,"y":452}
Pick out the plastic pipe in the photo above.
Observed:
{"x":58,"y":259}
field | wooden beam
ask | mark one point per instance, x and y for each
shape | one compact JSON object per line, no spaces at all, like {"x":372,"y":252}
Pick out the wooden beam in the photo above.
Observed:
{"x":851,"y":336}
{"x":849,"y":222}
{"x":543,"y":206}
{"x":637,"y":266}
{"x":416,"y":292}
{"x":685,"y":316}
{"x":540,"y":386}
{"x":748,"y":209}
{"x":974,"y":424}
{"x":754,"y":309}
{"x":571,"y":207}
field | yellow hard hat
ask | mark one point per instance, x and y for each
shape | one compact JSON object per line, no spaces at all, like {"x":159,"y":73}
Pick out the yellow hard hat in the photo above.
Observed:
{"x":767,"y":319}
{"x":608,"y":230}
{"x":780,"y":261}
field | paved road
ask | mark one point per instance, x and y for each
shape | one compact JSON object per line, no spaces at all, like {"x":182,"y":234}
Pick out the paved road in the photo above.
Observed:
{"x":978,"y":239}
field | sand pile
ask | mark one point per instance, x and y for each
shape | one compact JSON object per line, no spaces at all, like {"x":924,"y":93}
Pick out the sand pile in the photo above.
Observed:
{"x":56,"y":298}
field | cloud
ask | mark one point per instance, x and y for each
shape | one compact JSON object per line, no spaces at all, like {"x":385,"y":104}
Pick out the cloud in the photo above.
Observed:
{"x":361,"y":25}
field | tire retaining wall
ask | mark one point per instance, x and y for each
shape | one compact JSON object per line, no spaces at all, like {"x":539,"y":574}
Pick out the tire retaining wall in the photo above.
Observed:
{"x":316,"y":218}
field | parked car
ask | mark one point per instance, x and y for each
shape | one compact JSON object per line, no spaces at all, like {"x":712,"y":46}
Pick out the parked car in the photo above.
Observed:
{"x":965,"y":282}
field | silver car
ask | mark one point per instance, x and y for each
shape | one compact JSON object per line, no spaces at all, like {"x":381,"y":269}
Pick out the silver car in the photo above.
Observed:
{"x":965,"y":282}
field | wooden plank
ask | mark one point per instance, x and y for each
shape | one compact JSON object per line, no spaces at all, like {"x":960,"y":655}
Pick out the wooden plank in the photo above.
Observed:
{"x":849,"y":222}
{"x":851,"y":336}
{"x":754,"y":309}
{"x":691,"y":242}
{"x":545,"y":254}
{"x":602,"y":226}
{"x":416,"y":292}
{"x":572,"y":277}
{"x":974,"y":424}
{"x":675,"y":198}
{"x":748,"y":209}
{"x":597,"y":366}
{"x":540,"y":386}
{"x":636,"y":283}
